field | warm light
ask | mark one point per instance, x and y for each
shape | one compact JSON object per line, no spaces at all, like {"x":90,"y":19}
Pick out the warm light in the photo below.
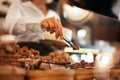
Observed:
{"x":90,"y":57}
{"x":81,"y":33}
{"x":105,"y":60}
{"x":75,"y":58}
{"x":84,"y":57}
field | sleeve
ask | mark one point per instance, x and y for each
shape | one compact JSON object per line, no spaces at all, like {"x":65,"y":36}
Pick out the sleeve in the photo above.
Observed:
{"x":16,"y":23}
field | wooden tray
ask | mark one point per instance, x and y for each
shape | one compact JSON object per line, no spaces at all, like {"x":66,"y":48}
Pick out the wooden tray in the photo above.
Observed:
{"x":54,"y":74}
{"x":11,"y":73}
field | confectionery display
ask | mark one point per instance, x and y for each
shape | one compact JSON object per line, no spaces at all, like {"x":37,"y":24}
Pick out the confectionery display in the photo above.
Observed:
{"x":83,"y":65}
{"x":29,"y":58}
{"x":29,"y":64}
{"x":13,"y":55}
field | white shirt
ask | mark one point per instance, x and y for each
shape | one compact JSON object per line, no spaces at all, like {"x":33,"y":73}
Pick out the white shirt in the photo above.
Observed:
{"x":23,"y":20}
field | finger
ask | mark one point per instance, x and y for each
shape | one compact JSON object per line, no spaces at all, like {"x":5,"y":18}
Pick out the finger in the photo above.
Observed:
{"x":45,"y":25}
{"x":51,"y":25}
{"x":60,"y":29}
{"x":61,"y":33}
{"x":56,"y":27}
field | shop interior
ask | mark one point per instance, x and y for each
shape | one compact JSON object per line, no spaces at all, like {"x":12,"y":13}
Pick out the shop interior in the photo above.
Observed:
{"x":90,"y":30}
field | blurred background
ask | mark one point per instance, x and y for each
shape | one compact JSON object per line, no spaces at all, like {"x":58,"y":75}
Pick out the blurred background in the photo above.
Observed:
{"x":90,"y":29}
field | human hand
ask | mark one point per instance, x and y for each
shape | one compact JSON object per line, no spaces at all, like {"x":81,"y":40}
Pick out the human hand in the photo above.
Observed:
{"x":53,"y":25}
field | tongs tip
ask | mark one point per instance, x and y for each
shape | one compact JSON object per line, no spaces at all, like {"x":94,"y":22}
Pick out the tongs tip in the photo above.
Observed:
{"x":73,"y":45}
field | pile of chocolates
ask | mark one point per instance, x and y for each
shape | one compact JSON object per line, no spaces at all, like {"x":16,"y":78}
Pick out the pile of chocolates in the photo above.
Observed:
{"x":13,"y":54}
{"x":82,"y":64}
{"x":56,"y":57}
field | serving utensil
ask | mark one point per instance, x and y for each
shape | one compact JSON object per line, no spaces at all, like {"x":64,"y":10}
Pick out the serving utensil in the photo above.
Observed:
{"x":73,"y":45}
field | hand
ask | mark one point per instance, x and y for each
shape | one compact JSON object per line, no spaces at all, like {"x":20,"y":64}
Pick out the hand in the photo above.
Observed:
{"x":53,"y":25}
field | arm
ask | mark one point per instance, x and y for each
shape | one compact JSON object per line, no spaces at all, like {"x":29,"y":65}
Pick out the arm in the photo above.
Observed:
{"x":16,"y":23}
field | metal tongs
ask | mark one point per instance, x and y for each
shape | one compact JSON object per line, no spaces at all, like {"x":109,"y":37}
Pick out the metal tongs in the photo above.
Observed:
{"x":73,"y":45}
